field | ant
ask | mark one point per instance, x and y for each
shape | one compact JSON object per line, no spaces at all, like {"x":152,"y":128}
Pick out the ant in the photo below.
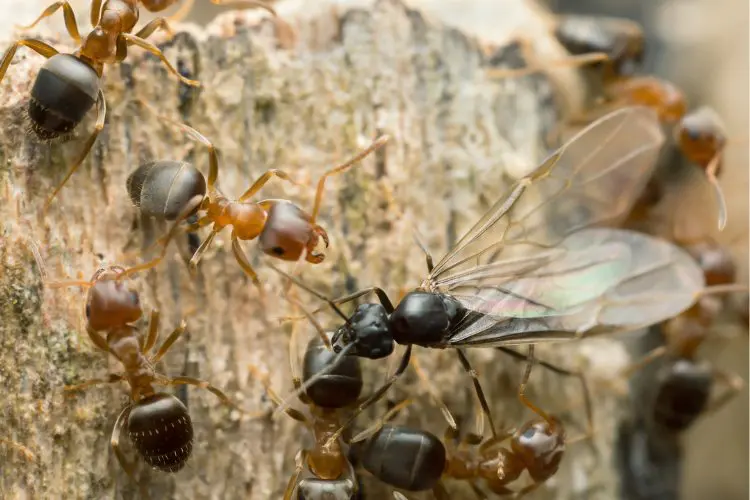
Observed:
{"x":187,"y":6}
{"x":699,"y":135}
{"x":329,"y":472}
{"x":683,"y":385}
{"x":157,"y":423}
{"x":416,"y":460}
{"x":174,"y":190}
{"x":68,"y":85}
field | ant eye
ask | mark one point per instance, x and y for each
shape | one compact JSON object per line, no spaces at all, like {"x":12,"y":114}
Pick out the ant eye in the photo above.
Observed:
{"x":277,"y":251}
{"x":693,"y":134}
{"x":134,"y":298}
{"x":88,"y":311}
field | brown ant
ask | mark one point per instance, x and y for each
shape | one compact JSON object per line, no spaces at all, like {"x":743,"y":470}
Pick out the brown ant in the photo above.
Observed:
{"x":323,"y":471}
{"x":415,"y":460}
{"x":68,"y":85}
{"x":176,"y":190}
{"x":187,"y":6}
{"x":157,"y":423}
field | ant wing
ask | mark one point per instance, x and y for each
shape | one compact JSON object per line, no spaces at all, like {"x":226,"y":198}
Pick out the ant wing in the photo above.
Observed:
{"x":601,"y":280}
{"x":592,"y":180}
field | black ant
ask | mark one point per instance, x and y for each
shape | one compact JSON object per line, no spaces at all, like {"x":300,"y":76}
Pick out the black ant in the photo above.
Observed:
{"x":157,"y":423}
{"x":327,"y":471}
{"x":68,"y":85}
{"x":174,"y":190}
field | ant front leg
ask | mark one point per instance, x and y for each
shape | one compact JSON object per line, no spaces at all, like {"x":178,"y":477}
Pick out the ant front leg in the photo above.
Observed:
{"x":262,"y":181}
{"x":153,"y":331}
{"x":68,"y":14}
{"x":291,"y":486}
{"x":101,"y":115}
{"x":95,"y":12}
{"x":131,"y":39}
{"x":522,"y":388}
{"x":37,"y":46}
{"x":241,"y":258}
{"x":114,"y":377}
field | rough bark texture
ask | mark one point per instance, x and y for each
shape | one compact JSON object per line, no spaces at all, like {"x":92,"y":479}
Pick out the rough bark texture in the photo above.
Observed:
{"x":301,"y":103}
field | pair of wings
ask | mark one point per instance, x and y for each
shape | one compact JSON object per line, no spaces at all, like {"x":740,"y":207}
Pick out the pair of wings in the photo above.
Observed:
{"x":542,"y":264}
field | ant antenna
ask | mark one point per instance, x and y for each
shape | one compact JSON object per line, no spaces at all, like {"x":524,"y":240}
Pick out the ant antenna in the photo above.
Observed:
{"x":312,"y":291}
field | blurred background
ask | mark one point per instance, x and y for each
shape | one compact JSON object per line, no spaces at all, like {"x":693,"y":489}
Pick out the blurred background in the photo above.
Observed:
{"x":702,"y":46}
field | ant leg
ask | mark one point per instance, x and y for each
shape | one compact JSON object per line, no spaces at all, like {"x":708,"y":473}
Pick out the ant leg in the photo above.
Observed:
{"x":153,"y":331}
{"x":430,"y":388}
{"x":113,"y":377}
{"x":101,"y":114}
{"x":192,"y":205}
{"x":114,"y":442}
{"x":734,"y":385}
{"x":152,"y":26}
{"x":69,"y":15}
{"x":198,"y":255}
{"x":477,"y":388}
{"x":566,"y":373}
{"x":203,"y":385}
{"x":262,"y":180}
{"x":645,"y":360}
{"x":568,"y":62}
{"x":241,"y":258}
{"x":291,"y":486}
{"x":27,"y":453}
{"x":96,"y":12}
{"x":375,"y":427}
{"x":99,"y":341}
{"x":153,"y":49}
{"x":522,"y":388}
{"x":375,"y":397}
{"x":377,"y":144}
{"x":181,"y":13}
{"x":263,"y":379}
{"x":246,"y":4}
{"x":37,"y":46}
{"x":167,"y":344}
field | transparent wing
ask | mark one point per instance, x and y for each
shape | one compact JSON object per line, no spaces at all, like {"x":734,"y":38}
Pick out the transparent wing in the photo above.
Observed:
{"x":592,"y":180}
{"x":600,"y":280}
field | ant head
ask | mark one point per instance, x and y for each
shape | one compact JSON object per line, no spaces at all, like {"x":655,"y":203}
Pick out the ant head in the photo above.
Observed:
{"x":368,"y":329}
{"x":540,"y":444}
{"x":701,"y":135}
{"x":161,"y":430}
{"x":288,"y":233}
{"x":110,"y":303}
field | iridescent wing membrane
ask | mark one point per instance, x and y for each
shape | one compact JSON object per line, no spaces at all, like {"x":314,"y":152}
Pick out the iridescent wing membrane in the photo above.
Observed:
{"x":539,"y":265}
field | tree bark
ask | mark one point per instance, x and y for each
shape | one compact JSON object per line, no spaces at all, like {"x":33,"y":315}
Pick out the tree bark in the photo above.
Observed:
{"x":301,"y":94}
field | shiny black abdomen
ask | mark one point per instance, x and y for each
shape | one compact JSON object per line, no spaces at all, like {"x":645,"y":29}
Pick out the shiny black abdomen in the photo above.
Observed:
{"x":404,"y":458}
{"x":64,"y":91}
{"x":337,"y":389}
{"x":683,"y":394}
{"x":161,"y":430}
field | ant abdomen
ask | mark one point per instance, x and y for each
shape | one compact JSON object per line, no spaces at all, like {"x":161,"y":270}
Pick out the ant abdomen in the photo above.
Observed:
{"x":65,"y":89}
{"x":161,"y":430}
{"x":404,"y":458}
{"x":163,"y":188}
{"x":684,"y":390}
{"x":540,"y":445}
{"x":337,"y":389}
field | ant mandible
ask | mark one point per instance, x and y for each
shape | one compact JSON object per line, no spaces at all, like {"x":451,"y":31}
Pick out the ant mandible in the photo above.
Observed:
{"x":158,"y":424}
{"x":68,"y":85}
{"x":174,"y":190}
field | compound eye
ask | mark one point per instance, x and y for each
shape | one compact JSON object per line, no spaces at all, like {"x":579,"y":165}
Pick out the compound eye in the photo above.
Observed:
{"x":278,"y":251}
{"x":134,"y":298}
{"x":88,"y":311}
